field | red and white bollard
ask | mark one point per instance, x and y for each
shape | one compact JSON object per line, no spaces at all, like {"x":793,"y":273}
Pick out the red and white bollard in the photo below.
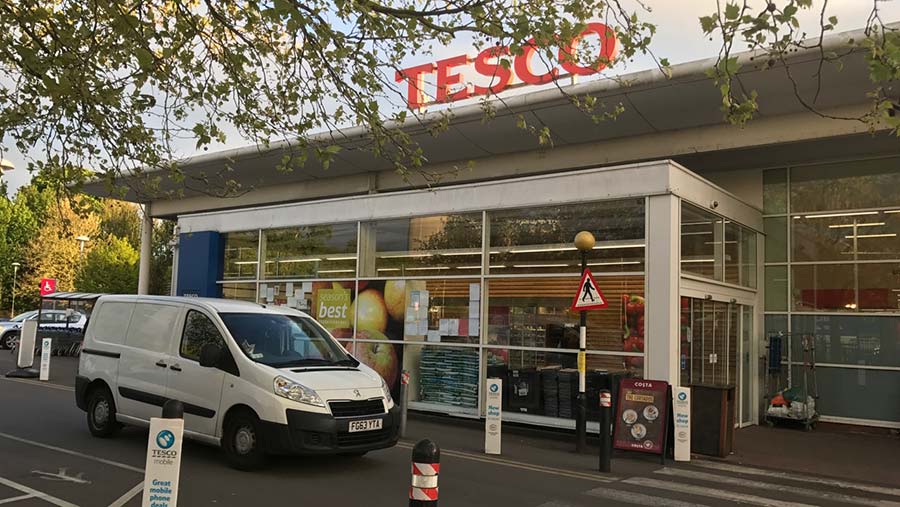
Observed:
{"x":426,"y":464}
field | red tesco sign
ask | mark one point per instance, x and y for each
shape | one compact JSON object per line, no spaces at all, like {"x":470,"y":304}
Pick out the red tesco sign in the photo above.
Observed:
{"x":48,"y":286}
{"x":487,"y":65}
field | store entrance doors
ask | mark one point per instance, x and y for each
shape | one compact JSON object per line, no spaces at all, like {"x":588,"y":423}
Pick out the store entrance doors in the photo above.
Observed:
{"x":716,"y":339}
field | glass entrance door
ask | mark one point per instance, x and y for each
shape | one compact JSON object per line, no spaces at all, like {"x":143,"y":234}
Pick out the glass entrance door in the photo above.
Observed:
{"x":715,"y":348}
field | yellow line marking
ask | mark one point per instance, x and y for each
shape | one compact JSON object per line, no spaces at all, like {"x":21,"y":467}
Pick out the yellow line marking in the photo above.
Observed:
{"x":520,"y":465}
{"x":41,"y":384}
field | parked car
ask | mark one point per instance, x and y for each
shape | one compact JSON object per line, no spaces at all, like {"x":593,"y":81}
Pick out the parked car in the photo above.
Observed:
{"x":255,"y":380}
{"x":50,"y":319}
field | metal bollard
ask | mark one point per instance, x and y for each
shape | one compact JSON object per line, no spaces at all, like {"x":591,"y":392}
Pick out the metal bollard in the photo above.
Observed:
{"x":605,"y":430}
{"x":426,"y":464}
{"x":404,"y":401}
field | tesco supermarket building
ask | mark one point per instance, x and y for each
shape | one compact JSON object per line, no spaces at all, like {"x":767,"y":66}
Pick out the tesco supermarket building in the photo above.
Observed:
{"x":710,"y":239}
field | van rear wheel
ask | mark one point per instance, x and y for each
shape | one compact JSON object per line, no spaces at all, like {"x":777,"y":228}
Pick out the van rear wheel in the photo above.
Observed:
{"x":101,"y":413}
{"x":241,"y":442}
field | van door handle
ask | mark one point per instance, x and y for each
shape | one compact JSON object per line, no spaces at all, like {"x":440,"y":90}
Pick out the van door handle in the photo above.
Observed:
{"x":175,"y":367}
{"x":161,"y":364}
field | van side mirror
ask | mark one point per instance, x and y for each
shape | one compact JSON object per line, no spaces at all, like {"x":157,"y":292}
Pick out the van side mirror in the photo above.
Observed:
{"x":210,"y":355}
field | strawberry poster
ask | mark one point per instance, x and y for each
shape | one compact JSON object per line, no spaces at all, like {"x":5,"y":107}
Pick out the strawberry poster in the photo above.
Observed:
{"x":633,"y":329}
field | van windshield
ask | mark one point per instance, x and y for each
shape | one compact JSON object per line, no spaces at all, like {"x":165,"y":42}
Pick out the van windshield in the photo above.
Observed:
{"x":285,"y":340}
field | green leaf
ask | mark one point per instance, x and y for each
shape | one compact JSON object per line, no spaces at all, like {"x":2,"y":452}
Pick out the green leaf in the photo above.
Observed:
{"x":732,"y":11}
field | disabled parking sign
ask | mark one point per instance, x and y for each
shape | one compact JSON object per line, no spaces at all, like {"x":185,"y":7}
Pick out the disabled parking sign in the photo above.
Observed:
{"x":163,"y":462}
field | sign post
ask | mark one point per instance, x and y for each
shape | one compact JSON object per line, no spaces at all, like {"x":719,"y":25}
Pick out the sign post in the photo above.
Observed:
{"x":681,"y":409}
{"x":588,"y":297}
{"x":46,"y":347}
{"x":492,"y":423}
{"x":163,"y":465}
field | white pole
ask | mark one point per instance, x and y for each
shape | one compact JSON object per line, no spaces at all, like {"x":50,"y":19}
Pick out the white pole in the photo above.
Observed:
{"x":146,"y":243}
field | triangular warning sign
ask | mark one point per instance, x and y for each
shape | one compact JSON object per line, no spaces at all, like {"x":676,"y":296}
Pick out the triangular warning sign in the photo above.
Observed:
{"x":588,"y":296}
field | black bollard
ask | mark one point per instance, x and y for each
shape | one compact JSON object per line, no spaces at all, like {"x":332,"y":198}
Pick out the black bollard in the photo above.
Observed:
{"x":173,"y":409}
{"x":426,"y":464}
{"x":605,"y":430}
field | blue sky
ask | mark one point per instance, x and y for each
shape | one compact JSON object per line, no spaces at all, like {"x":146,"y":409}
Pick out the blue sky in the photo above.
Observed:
{"x":678,"y":38}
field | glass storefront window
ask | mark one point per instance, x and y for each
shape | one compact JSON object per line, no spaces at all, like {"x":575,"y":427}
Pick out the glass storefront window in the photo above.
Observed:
{"x":241,"y":255}
{"x":776,"y":288}
{"x":445,"y":377}
{"x":740,"y":255}
{"x":701,"y":242}
{"x":845,"y":185}
{"x":422,"y":246}
{"x":239,"y":291}
{"x":776,"y":239}
{"x":879,"y":287}
{"x":314,"y":251}
{"x":825,"y":237}
{"x":774,"y":191}
{"x":544,"y":383}
{"x":857,"y":393}
{"x":850,"y":339}
{"x":539,"y":240}
{"x":830,"y":287}
{"x":534,"y":312}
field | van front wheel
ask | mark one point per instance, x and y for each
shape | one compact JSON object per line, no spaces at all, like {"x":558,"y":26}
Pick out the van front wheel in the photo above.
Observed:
{"x":101,"y":413}
{"x":241,"y":442}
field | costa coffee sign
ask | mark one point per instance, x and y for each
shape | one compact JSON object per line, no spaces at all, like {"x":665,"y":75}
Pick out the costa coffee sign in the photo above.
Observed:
{"x":452,"y":73}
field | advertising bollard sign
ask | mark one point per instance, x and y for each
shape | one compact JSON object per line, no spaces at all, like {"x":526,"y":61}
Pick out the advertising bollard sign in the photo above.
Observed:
{"x":26,"y":343}
{"x":163,"y":463}
{"x":641,"y":417}
{"x":46,"y":346}
{"x":681,"y":408}
{"x":494,"y":412}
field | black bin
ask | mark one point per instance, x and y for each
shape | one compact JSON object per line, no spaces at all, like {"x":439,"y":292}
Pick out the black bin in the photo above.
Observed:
{"x":524,"y":390}
{"x":712,"y":420}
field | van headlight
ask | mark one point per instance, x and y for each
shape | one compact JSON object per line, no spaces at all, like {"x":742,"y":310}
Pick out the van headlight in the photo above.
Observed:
{"x":297,"y":392}
{"x":387,"y":391}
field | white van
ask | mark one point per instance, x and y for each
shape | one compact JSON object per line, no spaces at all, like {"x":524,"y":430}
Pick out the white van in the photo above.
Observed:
{"x":256,"y":380}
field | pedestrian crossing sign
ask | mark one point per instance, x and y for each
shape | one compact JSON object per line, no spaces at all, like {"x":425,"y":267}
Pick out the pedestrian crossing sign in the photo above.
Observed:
{"x":588,"y":296}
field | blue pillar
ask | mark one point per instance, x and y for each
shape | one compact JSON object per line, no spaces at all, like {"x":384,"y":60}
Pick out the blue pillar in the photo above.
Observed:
{"x":200,"y":264}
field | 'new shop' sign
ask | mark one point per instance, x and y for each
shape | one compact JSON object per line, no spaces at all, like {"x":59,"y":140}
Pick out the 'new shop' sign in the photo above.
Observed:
{"x":451,"y":83}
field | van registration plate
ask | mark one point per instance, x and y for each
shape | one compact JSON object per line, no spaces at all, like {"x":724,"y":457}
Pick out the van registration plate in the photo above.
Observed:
{"x":367,"y":425}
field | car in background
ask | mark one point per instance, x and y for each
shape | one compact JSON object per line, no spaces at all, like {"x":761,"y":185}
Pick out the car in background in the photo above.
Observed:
{"x":10,"y":329}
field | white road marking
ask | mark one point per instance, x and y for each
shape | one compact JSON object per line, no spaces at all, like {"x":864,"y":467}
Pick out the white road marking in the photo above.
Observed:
{"x":521,"y":465}
{"x":58,"y":387}
{"x":811,"y":479}
{"x":131,"y":493}
{"x":16,"y":498}
{"x":692,"y":489}
{"x":73,"y":453}
{"x":770,"y":486}
{"x":35,"y":493}
{"x":630,"y":497}
{"x":62,"y":475}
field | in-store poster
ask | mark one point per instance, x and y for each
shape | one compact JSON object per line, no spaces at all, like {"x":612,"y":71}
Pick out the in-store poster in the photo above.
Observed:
{"x":633,"y":329}
{"x":641,"y":415}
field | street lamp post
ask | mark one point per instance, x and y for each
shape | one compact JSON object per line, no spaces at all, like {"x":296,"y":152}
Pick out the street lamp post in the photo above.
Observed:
{"x":584,"y":242}
{"x":12,"y":310}
{"x":81,"y":241}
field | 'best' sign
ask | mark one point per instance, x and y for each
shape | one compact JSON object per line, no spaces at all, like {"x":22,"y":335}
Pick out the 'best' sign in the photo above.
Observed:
{"x":449,"y":75}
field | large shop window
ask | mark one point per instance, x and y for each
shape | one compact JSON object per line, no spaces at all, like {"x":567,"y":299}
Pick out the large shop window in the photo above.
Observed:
{"x":444,"y":245}
{"x":443,"y":376}
{"x":845,"y":185}
{"x":539,"y":240}
{"x":534,"y":313}
{"x":313,"y":251}
{"x":436,"y":312}
{"x":850,"y":339}
{"x":715,"y":248}
{"x":239,"y":291}
{"x":241,"y":255}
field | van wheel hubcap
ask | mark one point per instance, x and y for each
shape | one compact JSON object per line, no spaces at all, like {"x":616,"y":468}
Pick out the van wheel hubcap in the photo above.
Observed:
{"x":244,"y":440}
{"x":101,"y":413}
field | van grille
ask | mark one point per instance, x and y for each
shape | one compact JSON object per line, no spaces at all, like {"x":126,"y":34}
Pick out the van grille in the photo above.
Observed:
{"x":357,"y":408}
{"x":363,"y":438}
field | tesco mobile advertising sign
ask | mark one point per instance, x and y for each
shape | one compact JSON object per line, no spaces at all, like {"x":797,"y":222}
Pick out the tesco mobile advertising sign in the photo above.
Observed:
{"x":450,"y":74}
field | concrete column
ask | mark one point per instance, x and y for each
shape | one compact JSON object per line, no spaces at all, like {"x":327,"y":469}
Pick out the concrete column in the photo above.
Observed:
{"x":146,"y":251}
{"x":661,"y":361}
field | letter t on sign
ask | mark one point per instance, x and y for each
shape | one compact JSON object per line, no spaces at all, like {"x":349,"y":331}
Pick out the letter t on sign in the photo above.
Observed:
{"x":415,"y":82}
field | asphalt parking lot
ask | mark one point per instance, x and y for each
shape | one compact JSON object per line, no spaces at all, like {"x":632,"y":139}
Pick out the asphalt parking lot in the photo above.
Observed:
{"x":50,"y":458}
